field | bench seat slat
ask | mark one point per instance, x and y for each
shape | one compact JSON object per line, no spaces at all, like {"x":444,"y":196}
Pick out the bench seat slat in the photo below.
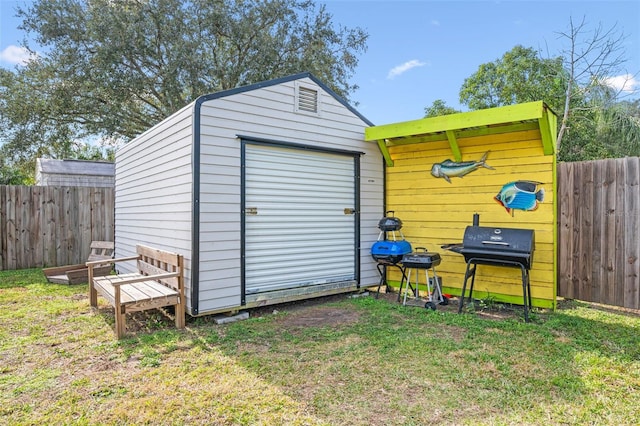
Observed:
{"x":131,"y":294}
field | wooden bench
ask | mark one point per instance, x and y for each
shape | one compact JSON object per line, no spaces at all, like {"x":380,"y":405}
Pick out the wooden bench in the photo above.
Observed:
{"x":159,"y":282}
{"x":79,"y":274}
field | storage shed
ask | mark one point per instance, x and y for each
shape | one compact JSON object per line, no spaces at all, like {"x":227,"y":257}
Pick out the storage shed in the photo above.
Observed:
{"x":268,"y":190}
{"x":51,"y":172}
{"x":499,"y":163}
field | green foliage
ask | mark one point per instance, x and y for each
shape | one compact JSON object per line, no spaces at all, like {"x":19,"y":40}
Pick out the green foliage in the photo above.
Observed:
{"x":109,"y":69}
{"x":594,"y":124}
{"x":115,"y":68}
{"x":618,"y":128}
{"x":521,"y":75}
{"x":438,"y":108}
{"x":14,"y":176}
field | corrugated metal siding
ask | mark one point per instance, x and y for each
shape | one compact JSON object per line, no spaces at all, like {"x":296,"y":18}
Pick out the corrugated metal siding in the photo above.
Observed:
{"x":153,"y":191}
{"x":269,"y":113}
{"x":297,"y":233}
{"x":435,"y":212}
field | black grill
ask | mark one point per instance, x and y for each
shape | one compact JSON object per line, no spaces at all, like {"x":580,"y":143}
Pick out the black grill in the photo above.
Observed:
{"x":508,"y":247}
{"x":421,"y":259}
{"x":501,"y":246}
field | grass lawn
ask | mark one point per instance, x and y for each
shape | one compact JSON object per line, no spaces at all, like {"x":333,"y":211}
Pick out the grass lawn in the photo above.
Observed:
{"x":336,"y":361}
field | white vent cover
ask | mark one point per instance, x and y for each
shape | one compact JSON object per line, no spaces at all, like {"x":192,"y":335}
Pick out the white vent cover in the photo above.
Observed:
{"x":307,"y":100}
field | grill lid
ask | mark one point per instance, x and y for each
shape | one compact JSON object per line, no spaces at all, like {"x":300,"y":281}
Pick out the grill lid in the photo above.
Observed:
{"x":502,"y":240}
{"x":390,"y":251}
{"x":503,"y":246}
{"x":421,"y":258}
{"x":390,"y":223}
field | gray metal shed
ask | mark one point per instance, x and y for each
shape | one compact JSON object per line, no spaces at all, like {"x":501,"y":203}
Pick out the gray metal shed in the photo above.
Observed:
{"x":51,"y":172}
{"x":269,"y":191}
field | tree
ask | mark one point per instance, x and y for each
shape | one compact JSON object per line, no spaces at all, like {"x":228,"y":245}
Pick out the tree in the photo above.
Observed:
{"x":438,"y":108}
{"x":576,"y":85}
{"x":521,"y":75}
{"x":113,"y":68}
{"x":618,"y":128}
{"x":591,"y":58}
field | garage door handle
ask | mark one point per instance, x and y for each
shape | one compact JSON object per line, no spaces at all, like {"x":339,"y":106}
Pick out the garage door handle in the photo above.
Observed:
{"x":349,"y":211}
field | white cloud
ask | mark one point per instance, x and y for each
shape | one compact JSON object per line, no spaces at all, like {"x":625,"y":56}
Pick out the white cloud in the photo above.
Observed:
{"x":16,"y":55}
{"x":401,"y":69}
{"x":623,"y":83}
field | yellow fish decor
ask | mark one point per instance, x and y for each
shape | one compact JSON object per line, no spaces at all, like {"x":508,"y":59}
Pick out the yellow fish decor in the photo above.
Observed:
{"x":448,"y":169}
{"x":520,"y":195}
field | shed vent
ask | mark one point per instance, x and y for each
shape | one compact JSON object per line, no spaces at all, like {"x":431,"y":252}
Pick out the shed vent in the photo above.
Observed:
{"x":307,"y":99}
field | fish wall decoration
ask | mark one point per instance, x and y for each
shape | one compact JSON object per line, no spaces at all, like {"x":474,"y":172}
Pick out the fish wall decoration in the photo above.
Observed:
{"x":520,"y":195}
{"x":448,"y":169}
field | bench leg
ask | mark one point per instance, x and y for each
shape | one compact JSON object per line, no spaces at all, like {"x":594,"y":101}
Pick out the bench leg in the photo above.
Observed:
{"x":179,"y":309}
{"x":121,"y":327}
{"x":119,"y":314}
{"x":93,"y":296}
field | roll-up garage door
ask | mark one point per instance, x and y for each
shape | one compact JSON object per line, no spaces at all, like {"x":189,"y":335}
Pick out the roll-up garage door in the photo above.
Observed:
{"x":299,"y":221}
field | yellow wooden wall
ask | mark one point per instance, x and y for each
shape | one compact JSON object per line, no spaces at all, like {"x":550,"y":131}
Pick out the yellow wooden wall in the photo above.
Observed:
{"x":435,"y":212}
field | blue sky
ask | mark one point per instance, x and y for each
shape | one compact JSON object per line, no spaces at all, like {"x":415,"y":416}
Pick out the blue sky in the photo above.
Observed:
{"x":421,"y":50}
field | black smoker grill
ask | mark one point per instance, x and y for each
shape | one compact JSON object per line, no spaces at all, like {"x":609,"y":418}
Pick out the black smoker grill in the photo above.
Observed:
{"x":499,"y":247}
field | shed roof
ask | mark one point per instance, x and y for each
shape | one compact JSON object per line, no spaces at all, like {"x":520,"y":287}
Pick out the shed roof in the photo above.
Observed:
{"x":76,"y":167}
{"x":281,"y":80}
{"x":512,"y":118}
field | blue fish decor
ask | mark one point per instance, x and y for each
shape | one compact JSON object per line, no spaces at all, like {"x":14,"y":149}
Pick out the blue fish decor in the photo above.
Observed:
{"x":520,"y":195}
{"x":448,"y":169}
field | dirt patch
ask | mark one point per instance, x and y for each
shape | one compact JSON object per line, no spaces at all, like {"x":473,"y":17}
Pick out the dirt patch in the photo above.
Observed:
{"x":319,"y":316}
{"x":495,"y":311}
{"x":316,"y":313}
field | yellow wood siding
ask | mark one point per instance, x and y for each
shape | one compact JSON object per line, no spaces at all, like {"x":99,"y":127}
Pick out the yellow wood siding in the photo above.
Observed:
{"x":435,"y":212}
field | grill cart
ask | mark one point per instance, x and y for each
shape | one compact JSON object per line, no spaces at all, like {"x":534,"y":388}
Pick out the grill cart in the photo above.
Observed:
{"x":414,"y":263}
{"x":389,"y":252}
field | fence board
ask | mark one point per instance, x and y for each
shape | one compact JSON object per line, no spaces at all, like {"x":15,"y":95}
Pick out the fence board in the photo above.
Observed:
{"x":584,"y":215}
{"x":599,"y":231}
{"x":621,"y":238}
{"x":11,"y":255}
{"x":632,"y":232}
{"x":599,"y":236}
{"x":44,"y":226}
{"x":565,"y":198}
{"x":3,"y":231}
{"x":610,"y":188}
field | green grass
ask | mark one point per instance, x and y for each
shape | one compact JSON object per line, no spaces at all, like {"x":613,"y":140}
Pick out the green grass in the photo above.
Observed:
{"x":339,"y":361}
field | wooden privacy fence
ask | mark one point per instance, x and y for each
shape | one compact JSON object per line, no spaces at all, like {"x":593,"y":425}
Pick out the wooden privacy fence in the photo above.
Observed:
{"x":599,"y":231}
{"x":42,"y":226}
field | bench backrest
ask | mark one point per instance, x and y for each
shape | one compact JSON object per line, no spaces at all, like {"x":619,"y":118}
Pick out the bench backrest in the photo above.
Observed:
{"x":101,"y":250}
{"x":153,"y":261}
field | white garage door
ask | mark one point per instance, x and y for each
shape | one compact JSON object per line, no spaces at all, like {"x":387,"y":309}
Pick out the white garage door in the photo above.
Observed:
{"x":299,"y":224}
